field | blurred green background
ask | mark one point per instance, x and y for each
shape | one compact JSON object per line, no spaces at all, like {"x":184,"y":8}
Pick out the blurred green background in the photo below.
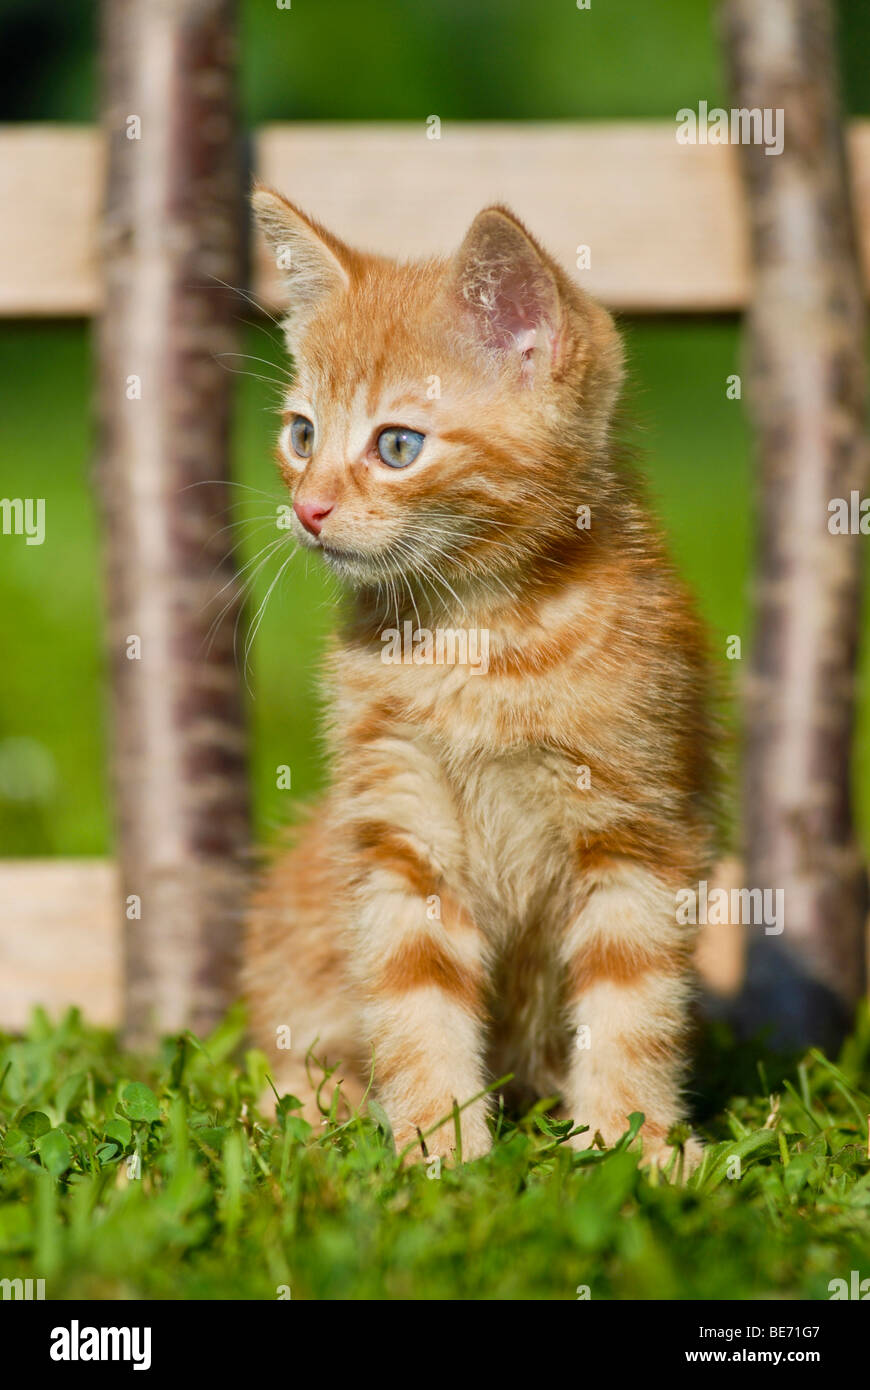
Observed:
{"x":341,"y":60}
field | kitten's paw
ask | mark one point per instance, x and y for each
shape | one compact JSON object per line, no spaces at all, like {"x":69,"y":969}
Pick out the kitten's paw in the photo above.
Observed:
{"x":655,"y":1151}
{"x":476,"y":1139}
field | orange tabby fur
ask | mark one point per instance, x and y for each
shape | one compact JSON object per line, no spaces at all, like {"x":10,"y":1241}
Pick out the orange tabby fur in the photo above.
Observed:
{"x":462,"y":902}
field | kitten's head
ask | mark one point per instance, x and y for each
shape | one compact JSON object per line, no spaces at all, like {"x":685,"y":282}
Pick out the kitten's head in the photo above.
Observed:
{"x":446,"y":417}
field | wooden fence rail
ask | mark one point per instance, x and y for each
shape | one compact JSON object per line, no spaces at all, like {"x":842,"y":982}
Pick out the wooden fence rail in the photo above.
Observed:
{"x":61,"y":940}
{"x":664,"y":222}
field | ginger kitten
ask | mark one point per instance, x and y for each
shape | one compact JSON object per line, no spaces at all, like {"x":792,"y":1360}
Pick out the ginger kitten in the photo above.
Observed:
{"x":519,"y":737}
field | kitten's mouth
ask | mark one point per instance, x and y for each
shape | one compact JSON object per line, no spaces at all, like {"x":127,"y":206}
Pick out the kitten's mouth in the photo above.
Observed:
{"x":354,"y":563}
{"x":362,"y":567}
{"x":335,"y":552}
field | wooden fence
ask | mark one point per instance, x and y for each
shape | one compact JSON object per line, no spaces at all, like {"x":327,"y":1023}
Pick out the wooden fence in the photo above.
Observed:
{"x":664,"y":222}
{"x":666,"y":231}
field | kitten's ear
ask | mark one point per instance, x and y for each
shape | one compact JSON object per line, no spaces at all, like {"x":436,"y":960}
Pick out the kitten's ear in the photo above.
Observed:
{"x":312,"y":262}
{"x":507,"y":284}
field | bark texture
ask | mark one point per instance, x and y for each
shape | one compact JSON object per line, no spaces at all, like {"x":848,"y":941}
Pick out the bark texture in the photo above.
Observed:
{"x":806,"y":389}
{"x":172,"y":230}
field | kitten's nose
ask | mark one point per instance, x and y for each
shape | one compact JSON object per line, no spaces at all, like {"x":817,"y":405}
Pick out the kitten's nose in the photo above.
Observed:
{"x":313,"y":514}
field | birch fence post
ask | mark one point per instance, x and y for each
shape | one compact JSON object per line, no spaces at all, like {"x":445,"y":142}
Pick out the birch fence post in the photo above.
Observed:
{"x":172,"y":230}
{"x":805,"y":382}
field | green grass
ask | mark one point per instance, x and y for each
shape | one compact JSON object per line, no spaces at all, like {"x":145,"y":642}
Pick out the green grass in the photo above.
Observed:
{"x":232,"y":1205}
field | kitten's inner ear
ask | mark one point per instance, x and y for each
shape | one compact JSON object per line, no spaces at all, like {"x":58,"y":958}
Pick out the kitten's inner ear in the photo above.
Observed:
{"x":503,"y":279}
{"x":312,"y":262}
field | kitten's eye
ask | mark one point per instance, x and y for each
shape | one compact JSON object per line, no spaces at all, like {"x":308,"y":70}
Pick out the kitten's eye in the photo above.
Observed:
{"x":302,"y":436}
{"x":398,"y":447}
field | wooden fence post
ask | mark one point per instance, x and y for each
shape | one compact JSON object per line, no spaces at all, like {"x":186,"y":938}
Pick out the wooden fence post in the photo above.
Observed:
{"x":806,"y":387}
{"x":172,"y":231}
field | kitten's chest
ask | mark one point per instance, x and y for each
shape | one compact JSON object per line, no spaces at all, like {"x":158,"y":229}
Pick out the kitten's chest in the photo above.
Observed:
{"x":519,"y":825}
{"x":476,"y":713}
{"x":512,"y":750}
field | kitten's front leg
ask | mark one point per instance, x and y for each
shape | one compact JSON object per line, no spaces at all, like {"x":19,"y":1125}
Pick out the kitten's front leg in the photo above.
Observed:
{"x":418,"y":959}
{"x":628,"y":987}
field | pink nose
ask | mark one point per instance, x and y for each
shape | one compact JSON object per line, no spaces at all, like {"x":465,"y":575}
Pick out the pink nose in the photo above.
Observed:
{"x":313,"y":514}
